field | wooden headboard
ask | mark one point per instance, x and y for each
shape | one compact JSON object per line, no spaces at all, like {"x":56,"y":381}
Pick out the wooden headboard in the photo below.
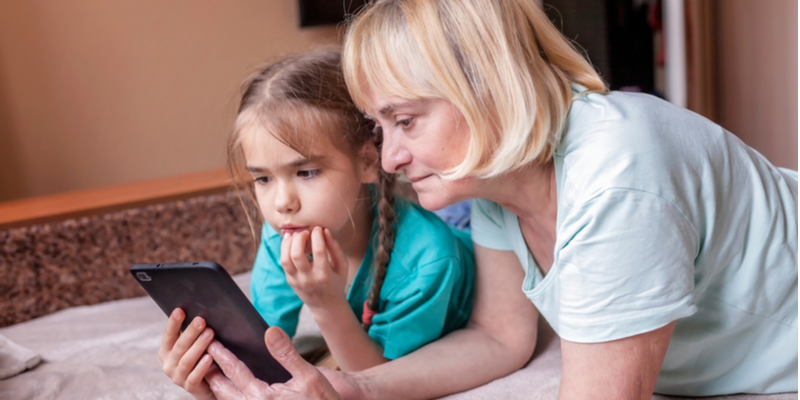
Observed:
{"x":62,"y":206}
{"x":76,"y":248}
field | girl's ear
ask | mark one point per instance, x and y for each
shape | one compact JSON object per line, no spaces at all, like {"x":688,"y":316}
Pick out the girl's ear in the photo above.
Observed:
{"x":369,"y":163}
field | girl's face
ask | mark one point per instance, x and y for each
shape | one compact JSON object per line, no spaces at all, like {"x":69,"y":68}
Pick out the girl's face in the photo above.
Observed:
{"x":423,"y":138}
{"x":296,"y":193}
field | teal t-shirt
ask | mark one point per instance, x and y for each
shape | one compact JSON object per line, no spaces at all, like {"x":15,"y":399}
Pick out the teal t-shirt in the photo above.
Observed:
{"x":663,"y":216}
{"x":427,"y":292}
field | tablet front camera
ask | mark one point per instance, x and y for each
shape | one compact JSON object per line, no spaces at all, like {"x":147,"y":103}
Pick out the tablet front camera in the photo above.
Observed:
{"x":142,"y":276}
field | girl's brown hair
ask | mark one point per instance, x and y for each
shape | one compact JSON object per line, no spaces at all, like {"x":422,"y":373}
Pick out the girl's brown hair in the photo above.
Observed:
{"x":298,"y":98}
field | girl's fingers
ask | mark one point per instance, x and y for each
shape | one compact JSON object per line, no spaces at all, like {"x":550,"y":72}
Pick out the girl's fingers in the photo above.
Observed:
{"x":286,"y":257}
{"x":298,"y":252}
{"x":338,"y":261}
{"x":171,"y":333}
{"x":190,"y":359}
{"x":319,"y":248}
{"x":185,"y":341}
{"x":195,"y":379}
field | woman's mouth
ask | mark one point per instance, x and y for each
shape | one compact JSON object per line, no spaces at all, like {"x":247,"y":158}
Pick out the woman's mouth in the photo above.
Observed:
{"x":415,"y":180}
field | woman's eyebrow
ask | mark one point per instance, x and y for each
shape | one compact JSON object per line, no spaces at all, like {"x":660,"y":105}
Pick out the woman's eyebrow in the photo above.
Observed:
{"x":387,"y":109}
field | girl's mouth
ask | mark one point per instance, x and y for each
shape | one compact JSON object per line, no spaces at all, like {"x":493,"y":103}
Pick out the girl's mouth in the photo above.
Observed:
{"x":292,"y":229}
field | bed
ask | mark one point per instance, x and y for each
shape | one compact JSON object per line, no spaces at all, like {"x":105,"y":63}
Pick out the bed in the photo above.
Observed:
{"x":66,"y":295}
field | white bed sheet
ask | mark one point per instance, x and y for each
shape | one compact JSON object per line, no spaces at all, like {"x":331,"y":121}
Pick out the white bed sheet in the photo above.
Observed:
{"x":108,"y":351}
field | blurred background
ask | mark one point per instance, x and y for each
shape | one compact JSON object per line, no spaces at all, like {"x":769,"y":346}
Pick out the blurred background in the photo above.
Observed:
{"x":95,"y":93}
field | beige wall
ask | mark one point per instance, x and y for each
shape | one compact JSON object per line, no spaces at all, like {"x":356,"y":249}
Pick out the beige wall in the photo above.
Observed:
{"x":96,"y":92}
{"x":757,"y":61}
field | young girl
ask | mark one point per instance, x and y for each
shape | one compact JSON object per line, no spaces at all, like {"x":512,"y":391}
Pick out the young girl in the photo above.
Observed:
{"x":380,"y":275}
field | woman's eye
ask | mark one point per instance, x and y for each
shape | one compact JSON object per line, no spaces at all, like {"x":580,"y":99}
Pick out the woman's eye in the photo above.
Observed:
{"x":308,"y":173}
{"x":262,"y":180}
{"x":404,"y":122}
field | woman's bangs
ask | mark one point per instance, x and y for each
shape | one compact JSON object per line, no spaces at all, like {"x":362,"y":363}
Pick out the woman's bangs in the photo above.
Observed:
{"x":380,"y":57}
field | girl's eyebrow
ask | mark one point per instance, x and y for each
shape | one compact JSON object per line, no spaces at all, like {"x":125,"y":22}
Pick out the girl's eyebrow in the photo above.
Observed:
{"x":294,"y":164}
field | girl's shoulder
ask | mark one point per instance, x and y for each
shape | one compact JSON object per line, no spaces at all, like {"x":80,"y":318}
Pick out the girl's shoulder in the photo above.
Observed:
{"x":423,"y":239}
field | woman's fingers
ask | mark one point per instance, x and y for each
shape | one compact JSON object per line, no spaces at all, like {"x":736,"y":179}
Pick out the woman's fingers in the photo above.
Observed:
{"x":222,"y":387}
{"x":282,"y":349}
{"x":171,"y":333}
{"x":233,"y":368}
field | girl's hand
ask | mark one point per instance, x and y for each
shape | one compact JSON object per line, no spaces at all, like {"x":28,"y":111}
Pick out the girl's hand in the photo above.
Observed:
{"x":320,"y":279}
{"x":180,"y":352}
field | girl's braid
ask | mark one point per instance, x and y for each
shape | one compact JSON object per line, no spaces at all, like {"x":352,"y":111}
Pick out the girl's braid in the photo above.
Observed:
{"x":386,"y":235}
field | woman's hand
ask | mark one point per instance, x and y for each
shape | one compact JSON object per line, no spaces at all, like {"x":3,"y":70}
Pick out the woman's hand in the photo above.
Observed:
{"x":180,"y":352}
{"x":320,"y":280}
{"x":307,"y":381}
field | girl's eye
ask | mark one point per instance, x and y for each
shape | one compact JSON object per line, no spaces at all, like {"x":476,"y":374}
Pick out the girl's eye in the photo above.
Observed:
{"x":308,"y":173}
{"x":262,"y":180}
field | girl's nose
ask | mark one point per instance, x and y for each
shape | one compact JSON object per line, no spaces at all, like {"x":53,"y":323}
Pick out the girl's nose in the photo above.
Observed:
{"x":394,"y":155}
{"x":286,"y":200}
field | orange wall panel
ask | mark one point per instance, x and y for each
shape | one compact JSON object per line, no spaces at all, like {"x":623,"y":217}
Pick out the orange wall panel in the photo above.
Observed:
{"x":96,"y":93}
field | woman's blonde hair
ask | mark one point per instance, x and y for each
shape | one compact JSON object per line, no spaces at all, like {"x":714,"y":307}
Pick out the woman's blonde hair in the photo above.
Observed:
{"x":501,"y":63}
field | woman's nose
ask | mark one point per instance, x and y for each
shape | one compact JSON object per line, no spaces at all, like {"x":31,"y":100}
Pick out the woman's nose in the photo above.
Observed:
{"x":394,"y":155}
{"x":286,"y":200}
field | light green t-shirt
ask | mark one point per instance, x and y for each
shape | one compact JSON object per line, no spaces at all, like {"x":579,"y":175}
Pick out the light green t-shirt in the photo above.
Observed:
{"x":427,"y":292}
{"x":662,"y":216}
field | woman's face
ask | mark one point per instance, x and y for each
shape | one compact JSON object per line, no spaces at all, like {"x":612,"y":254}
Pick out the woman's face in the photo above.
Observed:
{"x":423,"y":138}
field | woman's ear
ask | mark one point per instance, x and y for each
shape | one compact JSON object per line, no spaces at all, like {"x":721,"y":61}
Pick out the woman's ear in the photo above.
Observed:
{"x":369,"y":163}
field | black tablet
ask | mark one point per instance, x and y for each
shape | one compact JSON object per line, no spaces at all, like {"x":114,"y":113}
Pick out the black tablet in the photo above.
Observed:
{"x":205,"y":289}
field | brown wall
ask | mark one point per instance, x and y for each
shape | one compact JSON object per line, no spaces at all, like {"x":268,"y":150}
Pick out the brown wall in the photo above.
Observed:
{"x":757,"y":86}
{"x":96,"y":93}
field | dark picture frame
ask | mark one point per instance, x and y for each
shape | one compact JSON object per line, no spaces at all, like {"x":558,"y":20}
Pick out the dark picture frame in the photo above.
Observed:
{"x":327,"y":12}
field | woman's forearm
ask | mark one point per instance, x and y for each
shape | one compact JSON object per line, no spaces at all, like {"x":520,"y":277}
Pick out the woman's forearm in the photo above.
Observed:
{"x":498,"y":340}
{"x":461,"y":360}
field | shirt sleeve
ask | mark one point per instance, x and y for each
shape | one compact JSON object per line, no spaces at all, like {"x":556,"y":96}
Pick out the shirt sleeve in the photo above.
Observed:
{"x":414,"y":312}
{"x":626,"y":266}
{"x":488,"y":225}
{"x":272,"y":296}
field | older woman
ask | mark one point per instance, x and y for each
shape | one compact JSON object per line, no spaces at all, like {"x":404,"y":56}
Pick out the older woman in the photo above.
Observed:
{"x":655,"y":243}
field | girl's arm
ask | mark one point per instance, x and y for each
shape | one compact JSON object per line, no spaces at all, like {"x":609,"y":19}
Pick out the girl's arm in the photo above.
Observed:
{"x":498,"y":340}
{"x":320,"y":284}
{"x":351,"y":346}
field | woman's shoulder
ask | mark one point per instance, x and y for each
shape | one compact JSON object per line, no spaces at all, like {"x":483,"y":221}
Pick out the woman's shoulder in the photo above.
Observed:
{"x":633,"y":140}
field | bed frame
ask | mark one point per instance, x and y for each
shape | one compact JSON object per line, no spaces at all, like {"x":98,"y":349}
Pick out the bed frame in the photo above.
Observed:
{"x":75,"y":248}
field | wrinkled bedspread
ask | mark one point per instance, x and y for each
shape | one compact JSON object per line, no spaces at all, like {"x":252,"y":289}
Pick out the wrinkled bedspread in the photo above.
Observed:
{"x":108,"y":351}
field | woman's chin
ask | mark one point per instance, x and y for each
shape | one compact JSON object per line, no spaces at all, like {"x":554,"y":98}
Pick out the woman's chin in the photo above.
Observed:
{"x":433,"y":203}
